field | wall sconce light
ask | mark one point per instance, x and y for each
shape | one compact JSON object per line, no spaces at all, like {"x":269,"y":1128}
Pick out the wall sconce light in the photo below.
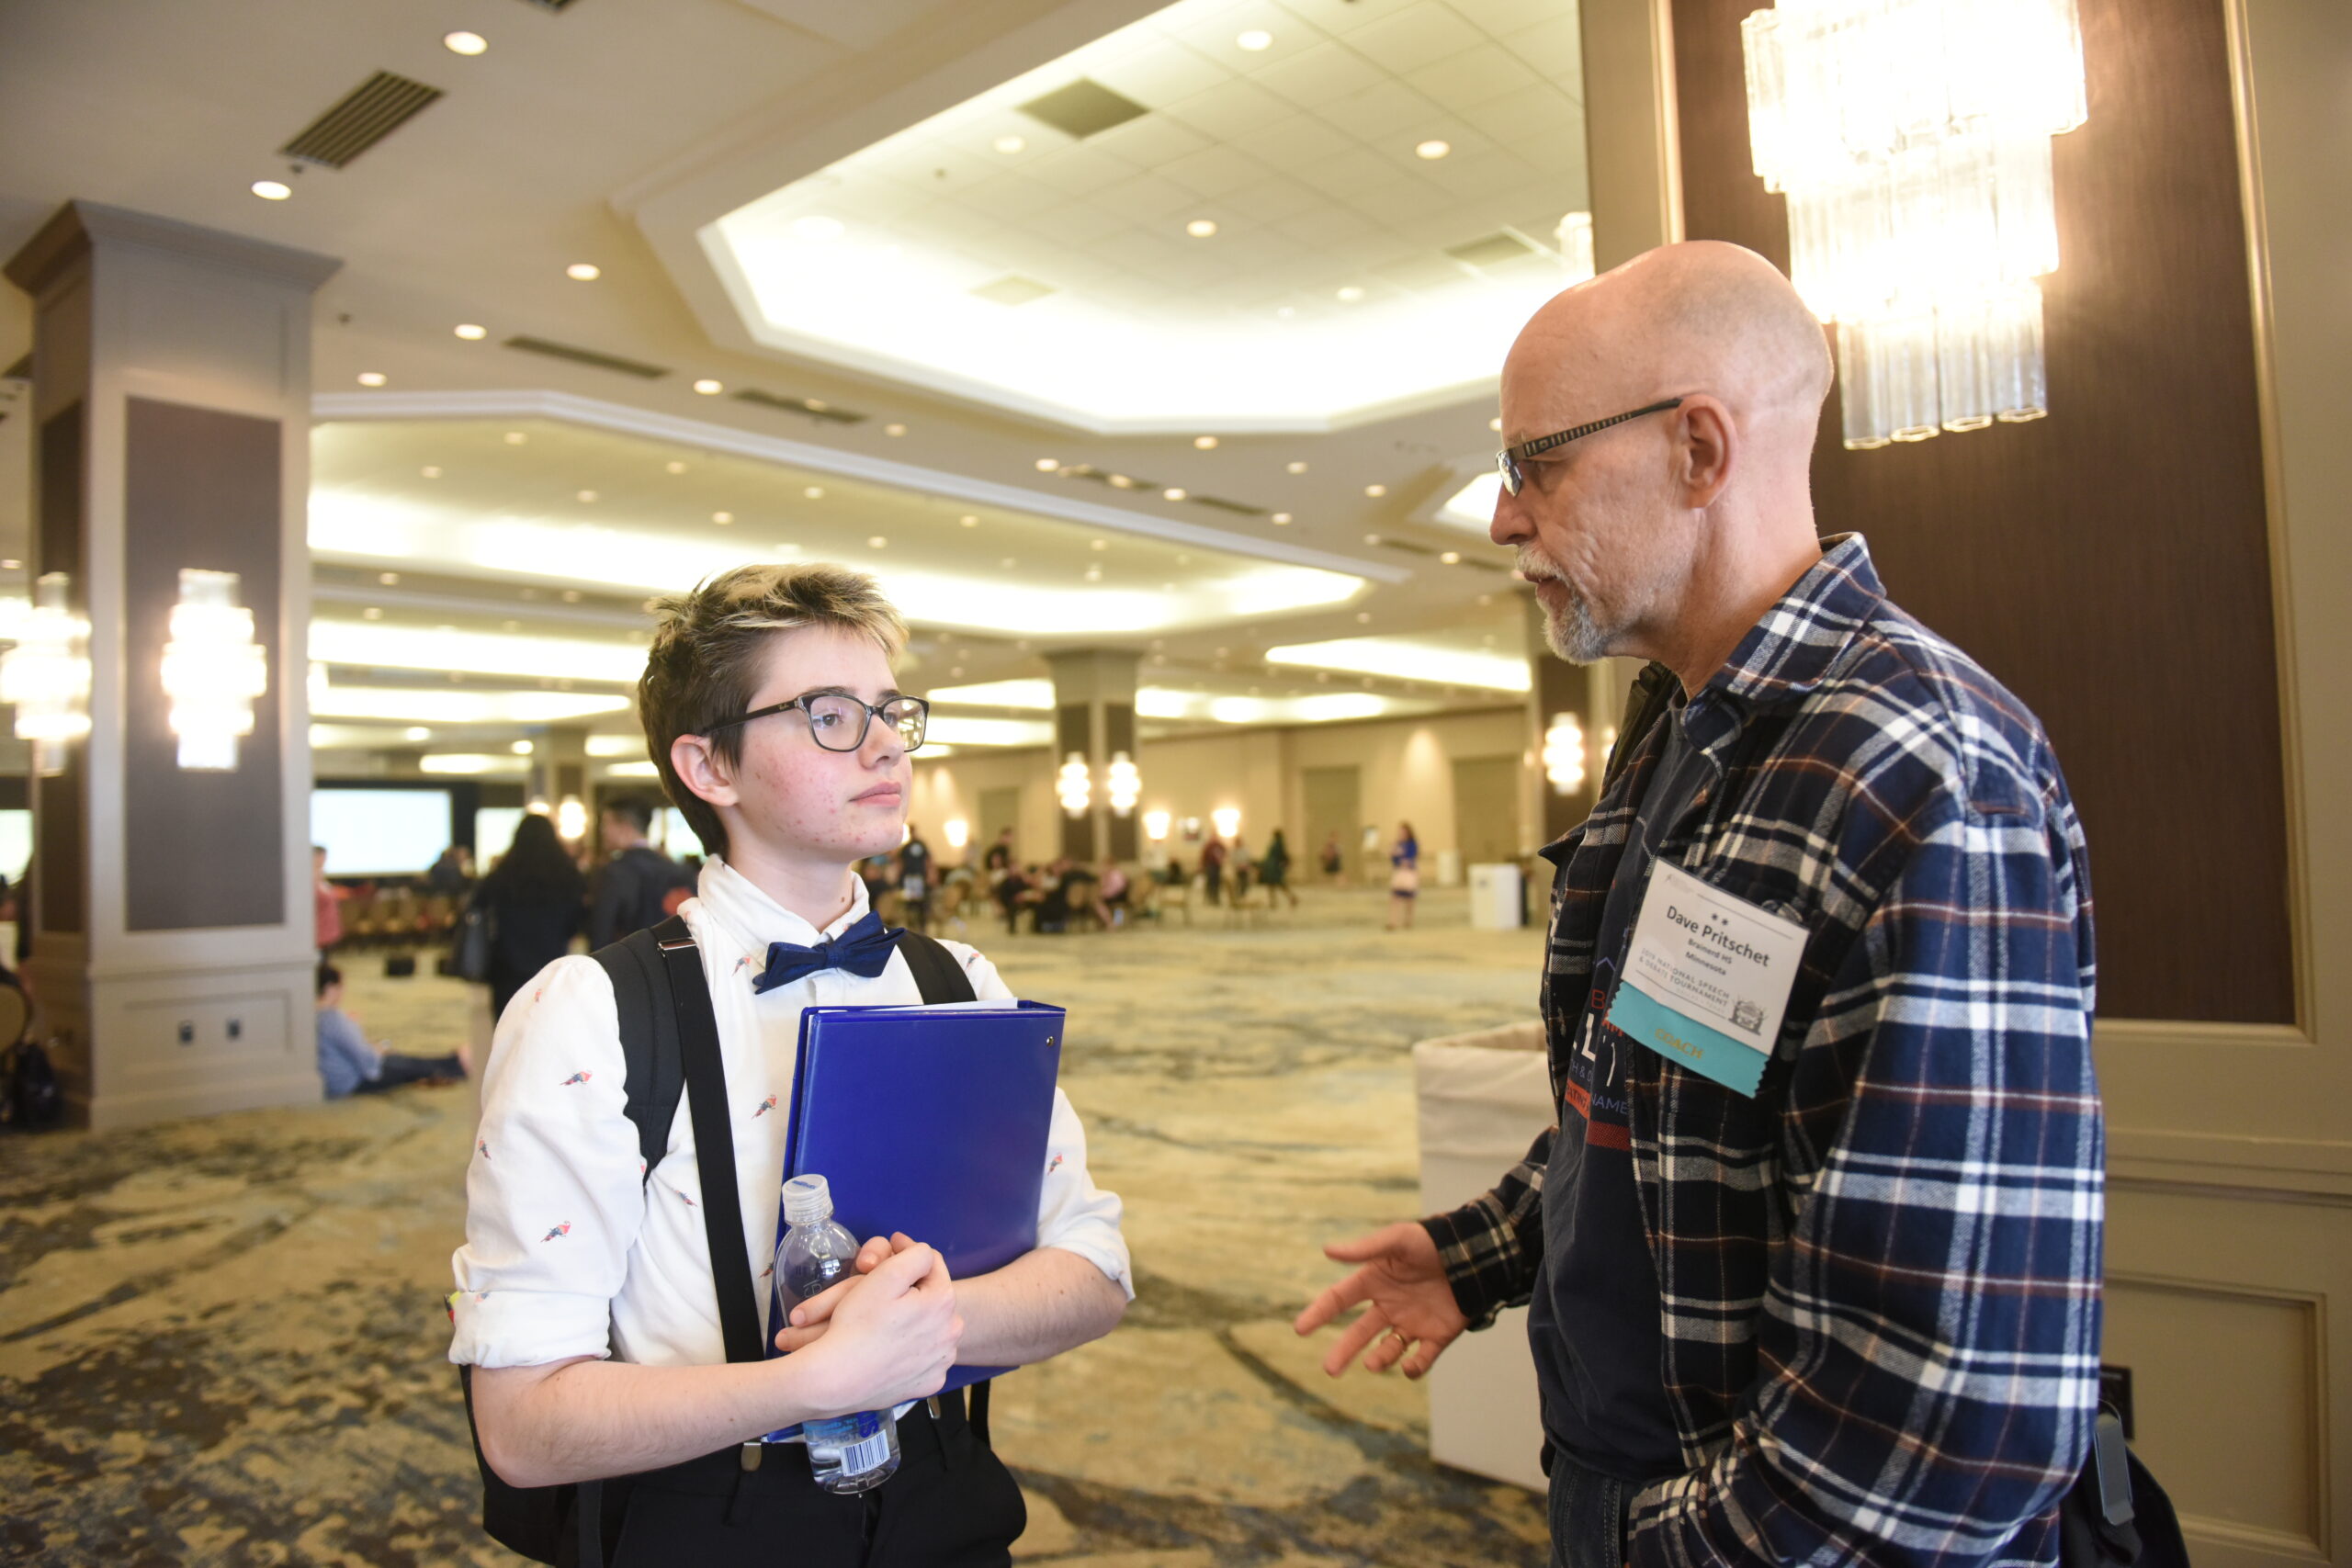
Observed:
{"x":571,"y":819}
{"x":1123,"y":782}
{"x":213,"y":670}
{"x":1228,"y":820}
{"x":1564,"y":762}
{"x":1155,"y":825}
{"x":956,"y":831}
{"x":1912,"y":138}
{"x":1075,"y":784}
{"x":47,"y":674}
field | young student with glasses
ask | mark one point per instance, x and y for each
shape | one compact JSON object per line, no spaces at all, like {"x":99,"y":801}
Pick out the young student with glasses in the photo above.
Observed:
{"x":585,"y":1301}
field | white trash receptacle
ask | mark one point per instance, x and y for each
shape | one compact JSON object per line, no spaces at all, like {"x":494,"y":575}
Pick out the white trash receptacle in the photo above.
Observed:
{"x":1494,"y":896}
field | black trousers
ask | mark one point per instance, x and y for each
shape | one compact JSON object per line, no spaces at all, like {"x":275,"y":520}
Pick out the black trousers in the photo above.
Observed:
{"x":952,"y":1504}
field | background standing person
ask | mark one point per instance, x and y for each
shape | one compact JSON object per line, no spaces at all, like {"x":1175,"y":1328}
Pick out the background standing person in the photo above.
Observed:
{"x":1404,"y":878}
{"x":915,"y":885}
{"x":1274,"y":871}
{"x":1335,"y":858}
{"x":326,"y":903}
{"x":1813,"y":1253}
{"x":1212,"y":868}
{"x":536,"y":900}
{"x":638,"y":887}
{"x":998,"y":859}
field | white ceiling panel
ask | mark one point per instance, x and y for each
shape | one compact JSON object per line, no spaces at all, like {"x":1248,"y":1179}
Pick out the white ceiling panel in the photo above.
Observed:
{"x":1556,"y":49}
{"x":1319,"y":76}
{"x":1414,"y":36}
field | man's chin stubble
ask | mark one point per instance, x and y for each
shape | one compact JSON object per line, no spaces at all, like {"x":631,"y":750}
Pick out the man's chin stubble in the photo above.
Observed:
{"x":1571,"y":632}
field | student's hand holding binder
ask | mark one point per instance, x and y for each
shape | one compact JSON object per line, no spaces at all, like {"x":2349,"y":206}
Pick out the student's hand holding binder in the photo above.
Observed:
{"x":812,"y":1317}
{"x":890,"y":1335}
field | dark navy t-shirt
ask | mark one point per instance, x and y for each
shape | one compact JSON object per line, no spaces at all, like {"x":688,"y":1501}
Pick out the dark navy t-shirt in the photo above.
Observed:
{"x":1593,"y":1324}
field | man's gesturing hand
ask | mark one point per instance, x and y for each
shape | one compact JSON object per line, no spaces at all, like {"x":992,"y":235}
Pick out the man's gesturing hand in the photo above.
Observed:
{"x":888,"y":1334}
{"x":1411,"y":1306}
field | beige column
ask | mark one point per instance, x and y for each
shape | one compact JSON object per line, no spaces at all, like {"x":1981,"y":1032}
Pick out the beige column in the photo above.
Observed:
{"x":1094,"y":722}
{"x":172,"y":903}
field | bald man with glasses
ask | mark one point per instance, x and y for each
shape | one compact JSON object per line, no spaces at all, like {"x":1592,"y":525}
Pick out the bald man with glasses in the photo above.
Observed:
{"x":1812,"y":1252}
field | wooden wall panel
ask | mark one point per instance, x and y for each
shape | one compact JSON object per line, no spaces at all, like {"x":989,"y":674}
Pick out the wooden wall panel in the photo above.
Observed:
{"x":2109,"y":563}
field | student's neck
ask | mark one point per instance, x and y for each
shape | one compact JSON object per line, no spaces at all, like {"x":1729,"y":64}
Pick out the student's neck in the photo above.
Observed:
{"x":818,"y":891}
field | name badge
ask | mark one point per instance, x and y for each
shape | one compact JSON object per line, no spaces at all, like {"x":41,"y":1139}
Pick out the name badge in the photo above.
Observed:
{"x":1707,"y":978}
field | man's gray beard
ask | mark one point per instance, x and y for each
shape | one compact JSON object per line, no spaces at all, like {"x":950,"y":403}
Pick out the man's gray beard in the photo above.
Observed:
{"x":1572,"y":633}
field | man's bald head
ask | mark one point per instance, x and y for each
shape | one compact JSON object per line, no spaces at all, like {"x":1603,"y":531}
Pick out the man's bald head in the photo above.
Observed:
{"x":1700,"y":316}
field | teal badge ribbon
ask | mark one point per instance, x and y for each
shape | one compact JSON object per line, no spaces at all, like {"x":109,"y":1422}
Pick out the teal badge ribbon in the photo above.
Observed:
{"x":1686,"y":1043}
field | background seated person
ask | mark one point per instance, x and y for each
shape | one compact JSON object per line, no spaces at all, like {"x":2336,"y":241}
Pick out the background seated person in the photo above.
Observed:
{"x":349,"y":1065}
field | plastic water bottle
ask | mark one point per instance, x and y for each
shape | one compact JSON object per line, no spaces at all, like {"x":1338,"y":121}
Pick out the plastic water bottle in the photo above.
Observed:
{"x":846,"y":1453}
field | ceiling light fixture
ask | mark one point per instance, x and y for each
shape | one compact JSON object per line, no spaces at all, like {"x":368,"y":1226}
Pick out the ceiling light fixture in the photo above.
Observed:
{"x":1433,"y":149}
{"x":272,"y":190}
{"x":583,"y":272}
{"x":709,"y":388}
{"x":430,"y":471}
{"x":969,"y":521}
{"x":1255,"y":39}
{"x":387,"y":579}
{"x":813,"y":492}
{"x":1174,"y":492}
{"x":471,"y":331}
{"x":1349,"y":294}
{"x":464,"y":42}
{"x":1206,"y":443}
{"x":1375,"y":492}
{"x":876,"y":542}
{"x":1009,"y":145}
{"x":1451,"y":557}
{"x":371,"y":378}
{"x":1495,"y":425}
{"x":1296,"y":468}
{"x":1280,"y":517}
{"x":1201,"y":228}
{"x":515,"y":438}
{"x":723,"y":517}
{"x":1049,"y":465}
{"x":673,"y":467}
{"x":586,"y":495}
{"x":894,"y":429}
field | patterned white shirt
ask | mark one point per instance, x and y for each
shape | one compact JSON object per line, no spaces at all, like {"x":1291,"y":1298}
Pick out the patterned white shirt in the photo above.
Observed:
{"x":571,"y":1250}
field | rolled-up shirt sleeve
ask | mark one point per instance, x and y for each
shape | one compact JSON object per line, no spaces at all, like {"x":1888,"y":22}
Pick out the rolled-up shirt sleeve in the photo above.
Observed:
{"x":1072,"y":1213}
{"x":555,"y":1193}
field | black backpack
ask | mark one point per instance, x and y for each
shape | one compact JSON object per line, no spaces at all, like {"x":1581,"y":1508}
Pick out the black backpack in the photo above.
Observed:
{"x":668,"y":1044}
{"x":2115,"y":1515}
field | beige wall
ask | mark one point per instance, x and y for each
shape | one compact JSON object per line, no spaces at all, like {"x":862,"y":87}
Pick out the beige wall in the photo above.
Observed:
{"x":951,"y":786}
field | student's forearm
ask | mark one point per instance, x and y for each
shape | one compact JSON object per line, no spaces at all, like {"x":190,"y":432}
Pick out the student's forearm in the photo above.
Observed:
{"x":587,"y":1419}
{"x":1034,"y":1307}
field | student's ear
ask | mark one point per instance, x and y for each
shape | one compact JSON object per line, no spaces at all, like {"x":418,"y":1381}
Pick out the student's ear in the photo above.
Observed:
{"x":702,"y":770}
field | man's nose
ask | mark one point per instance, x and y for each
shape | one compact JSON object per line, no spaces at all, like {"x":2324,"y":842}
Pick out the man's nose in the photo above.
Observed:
{"x":1510,"y":526}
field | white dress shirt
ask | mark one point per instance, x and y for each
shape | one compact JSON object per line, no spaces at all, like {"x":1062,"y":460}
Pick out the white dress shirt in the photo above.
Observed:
{"x":568,"y":1252}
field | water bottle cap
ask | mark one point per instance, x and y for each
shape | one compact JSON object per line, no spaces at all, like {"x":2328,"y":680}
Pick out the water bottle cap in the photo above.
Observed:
{"x":807,"y":1200}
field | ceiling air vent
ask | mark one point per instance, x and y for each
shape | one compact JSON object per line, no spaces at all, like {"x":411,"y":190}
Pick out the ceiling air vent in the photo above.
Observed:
{"x":1224,"y":505}
{"x":549,"y":5}
{"x":1084,"y":108}
{"x":588,"y":356}
{"x":1492,"y":251}
{"x":375,"y":108}
{"x":813,"y":408}
{"x":1012,"y":290}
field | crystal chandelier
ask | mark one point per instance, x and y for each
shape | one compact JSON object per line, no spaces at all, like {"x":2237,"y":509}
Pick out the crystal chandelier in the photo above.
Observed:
{"x":1075,"y":784}
{"x":212,"y":671}
{"x":1912,"y":140}
{"x":47,"y":675}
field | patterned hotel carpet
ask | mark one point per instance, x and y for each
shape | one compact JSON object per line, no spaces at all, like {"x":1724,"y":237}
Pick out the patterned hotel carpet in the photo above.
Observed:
{"x":221,"y":1341}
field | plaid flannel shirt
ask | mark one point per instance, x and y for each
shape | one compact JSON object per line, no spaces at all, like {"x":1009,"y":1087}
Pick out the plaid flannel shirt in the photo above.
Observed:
{"x":1880,"y":1276}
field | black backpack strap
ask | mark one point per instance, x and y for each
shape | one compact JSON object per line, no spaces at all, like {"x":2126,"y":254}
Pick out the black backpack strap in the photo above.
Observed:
{"x":937,"y":974}
{"x":652,"y":1078}
{"x":1646,"y":703}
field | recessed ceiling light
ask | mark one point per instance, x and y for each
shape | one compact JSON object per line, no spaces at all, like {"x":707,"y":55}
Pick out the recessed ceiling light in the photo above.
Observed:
{"x":272,"y":190}
{"x":1351,"y":294}
{"x":1206,"y":443}
{"x":371,"y":378}
{"x":371,"y":613}
{"x":1296,"y":468}
{"x":1174,"y":492}
{"x":431,"y":471}
{"x":587,"y":495}
{"x":515,"y":438}
{"x":416,"y":732}
{"x":521,"y":748}
{"x":1008,"y":563}
{"x":1121,"y":482}
{"x":1201,"y":228}
{"x":1495,"y":425}
{"x":570,"y":596}
{"x":1281,"y":517}
{"x":1375,"y":492}
{"x":1093,"y":574}
{"x":472,"y":333}
{"x":675,"y":466}
{"x":1008,"y":145}
{"x":1255,"y":39}
{"x":1098,"y":544}
{"x":583,"y":272}
{"x":709,"y":388}
{"x":1048,"y":464}
{"x":1362,"y":617}
{"x":876,"y":542}
{"x":894,"y":429}
{"x":388,"y":579}
{"x":817,"y":226}
{"x":723,"y":517}
{"x":1433,"y":149}
{"x":464,"y":42}
{"x":1453,"y":558}
{"x":1372,"y":538}
{"x":969,"y":521}
{"x":814,"y":492}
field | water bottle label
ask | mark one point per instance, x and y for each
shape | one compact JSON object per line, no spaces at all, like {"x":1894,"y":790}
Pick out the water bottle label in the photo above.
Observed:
{"x":860,"y":1456}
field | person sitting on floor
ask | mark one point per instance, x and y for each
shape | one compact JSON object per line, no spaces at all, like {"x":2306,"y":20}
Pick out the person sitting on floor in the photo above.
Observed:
{"x":349,"y":1065}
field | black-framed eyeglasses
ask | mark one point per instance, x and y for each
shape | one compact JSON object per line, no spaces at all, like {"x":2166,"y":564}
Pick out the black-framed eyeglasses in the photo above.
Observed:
{"x":838,"y":721}
{"x":1508,"y":460}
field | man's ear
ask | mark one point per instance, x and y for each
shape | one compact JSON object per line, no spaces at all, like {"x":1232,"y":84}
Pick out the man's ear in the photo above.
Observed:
{"x":1710,"y":449}
{"x":702,"y":770}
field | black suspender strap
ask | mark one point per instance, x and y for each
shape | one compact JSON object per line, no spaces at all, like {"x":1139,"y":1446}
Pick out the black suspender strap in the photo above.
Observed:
{"x":722,"y":1207}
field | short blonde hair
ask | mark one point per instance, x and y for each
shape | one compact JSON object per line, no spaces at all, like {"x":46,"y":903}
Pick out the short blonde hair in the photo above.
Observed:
{"x":704,"y":663}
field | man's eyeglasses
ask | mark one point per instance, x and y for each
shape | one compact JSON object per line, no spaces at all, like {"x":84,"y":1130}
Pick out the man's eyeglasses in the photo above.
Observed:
{"x":1508,"y":460}
{"x":838,"y":722}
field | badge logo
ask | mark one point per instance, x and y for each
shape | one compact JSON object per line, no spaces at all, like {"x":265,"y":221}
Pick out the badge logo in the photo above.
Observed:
{"x":1747,"y":1015}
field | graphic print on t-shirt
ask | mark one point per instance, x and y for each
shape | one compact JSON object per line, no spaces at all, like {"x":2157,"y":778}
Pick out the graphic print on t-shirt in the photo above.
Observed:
{"x":1596,"y":1089}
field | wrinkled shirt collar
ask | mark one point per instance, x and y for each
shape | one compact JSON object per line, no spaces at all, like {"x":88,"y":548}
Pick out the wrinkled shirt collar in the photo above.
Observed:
{"x":754,"y":919}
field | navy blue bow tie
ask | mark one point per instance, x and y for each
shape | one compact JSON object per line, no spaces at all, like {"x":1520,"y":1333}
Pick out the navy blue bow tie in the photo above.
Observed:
{"x":864,"y":949}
